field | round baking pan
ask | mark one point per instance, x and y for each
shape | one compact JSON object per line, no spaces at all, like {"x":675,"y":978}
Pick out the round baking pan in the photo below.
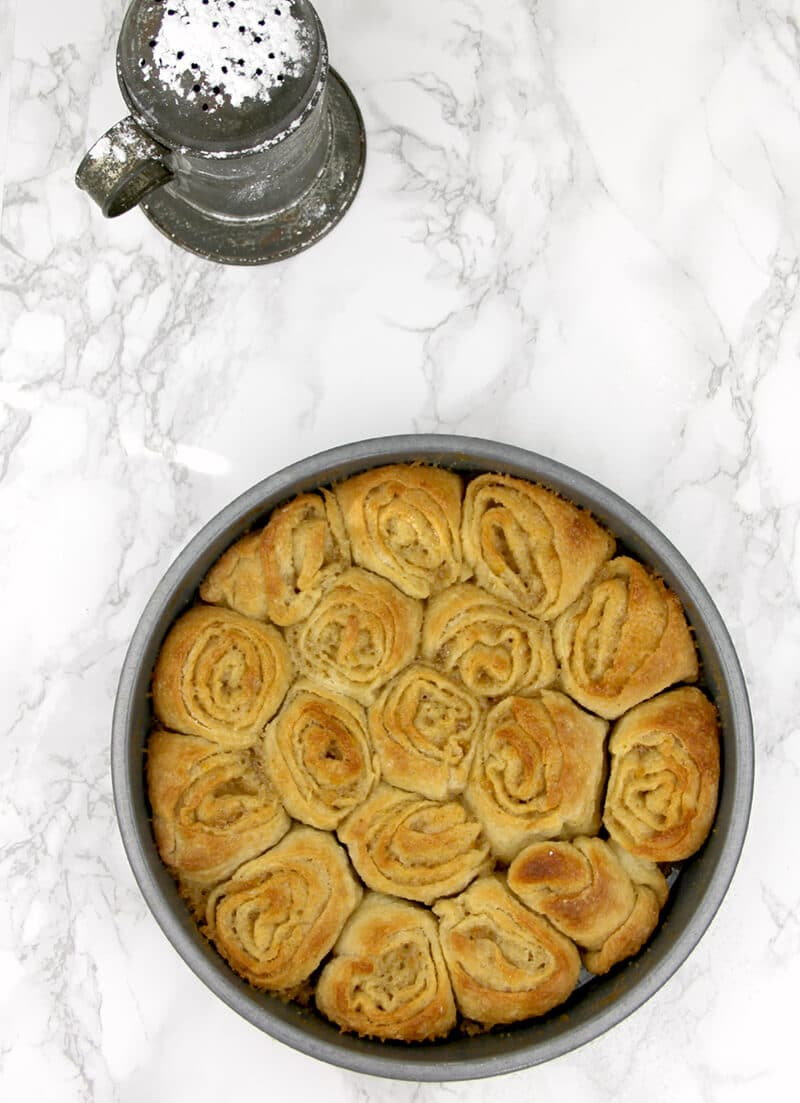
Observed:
{"x":595,"y":1006}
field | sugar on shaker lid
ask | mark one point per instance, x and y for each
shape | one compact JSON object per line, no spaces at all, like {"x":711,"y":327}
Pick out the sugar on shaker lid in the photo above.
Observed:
{"x":219,"y":76}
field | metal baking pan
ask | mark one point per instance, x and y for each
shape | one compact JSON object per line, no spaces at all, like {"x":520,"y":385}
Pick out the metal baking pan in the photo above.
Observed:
{"x":597,"y":1005}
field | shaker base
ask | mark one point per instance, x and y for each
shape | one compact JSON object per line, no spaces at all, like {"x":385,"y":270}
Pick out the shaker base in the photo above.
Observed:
{"x":288,"y":231}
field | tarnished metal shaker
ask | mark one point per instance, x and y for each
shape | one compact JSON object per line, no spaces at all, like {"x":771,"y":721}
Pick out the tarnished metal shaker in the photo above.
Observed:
{"x":242,"y":145}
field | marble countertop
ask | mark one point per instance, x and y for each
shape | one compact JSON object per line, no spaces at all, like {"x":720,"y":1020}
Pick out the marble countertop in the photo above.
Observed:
{"x":578,"y":232}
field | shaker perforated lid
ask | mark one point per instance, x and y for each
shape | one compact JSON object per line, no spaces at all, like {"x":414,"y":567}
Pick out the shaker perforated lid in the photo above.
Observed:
{"x":219,"y":76}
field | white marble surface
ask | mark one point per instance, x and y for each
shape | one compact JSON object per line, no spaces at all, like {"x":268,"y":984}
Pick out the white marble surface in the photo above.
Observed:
{"x":579,"y":232}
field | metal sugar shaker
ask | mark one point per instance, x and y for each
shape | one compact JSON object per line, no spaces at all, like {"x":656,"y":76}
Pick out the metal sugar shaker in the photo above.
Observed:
{"x":242,"y":145}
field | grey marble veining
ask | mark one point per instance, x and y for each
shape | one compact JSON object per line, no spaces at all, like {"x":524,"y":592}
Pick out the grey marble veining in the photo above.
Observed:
{"x":579,"y":231}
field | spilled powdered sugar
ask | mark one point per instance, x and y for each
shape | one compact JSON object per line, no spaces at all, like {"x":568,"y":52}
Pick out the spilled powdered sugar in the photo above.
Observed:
{"x":122,"y":143}
{"x":226,"y":50}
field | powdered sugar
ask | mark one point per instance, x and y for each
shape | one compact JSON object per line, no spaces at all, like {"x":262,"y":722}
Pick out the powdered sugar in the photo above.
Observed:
{"x":226,"y":51}
{"x":122,"y":143}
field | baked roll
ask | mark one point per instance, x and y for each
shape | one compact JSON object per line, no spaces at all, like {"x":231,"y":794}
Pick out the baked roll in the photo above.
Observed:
{"x":318,"y":755}
{"x":494,"y":648}
{"x":403,"y":522}
{"x":662,"y":792}
{"x":589,"y":890}
{"x":280,"y":914}
{"x":651,"y":895}
{"x":237,"y":579}
{"x":304,"y":548}
{"x":212,"y":809}
{"x":538,"y":772}
{"x":505,"y":963}
{"x":387,"y":978}
{"x":529,"y":547}
{"x":359,"y":636}
{"x":625,"y":639}
{"x":418,"y":849}
{"x":221,"y":676}
{"x":423,"y":727}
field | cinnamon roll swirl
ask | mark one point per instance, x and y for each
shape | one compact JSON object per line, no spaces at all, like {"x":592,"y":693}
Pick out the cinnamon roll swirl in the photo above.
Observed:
{"x":418,"y":849}
{"x":528,"y":546}
{"x":304,"y":548}
{"x":362,"y":632}
{"x":493,"y":647}
{"x":212,"y":809}
{"x":221,"y":676}
{"x":538,"y":772}
{"x":424,"y":726}
{"x":387,"y":978}
{"x":505,"y":963}
{"x":403,"y":522}
{"x":623,"y":640}
{"x":318,"y":755}
{"x":280,"y":914}
{"x":590,"y":891}
{"x":662,"y":792}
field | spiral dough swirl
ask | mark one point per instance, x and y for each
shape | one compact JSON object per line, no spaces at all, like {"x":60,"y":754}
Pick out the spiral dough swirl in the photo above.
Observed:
{"x":424,"y":726}
{"x":592,"y":891}
{"x":304,"y":547}
{"x":528,"y":546}
{"x":662,"y":792}
{"x":505,"y":962}
{"x":538,"y":772}
{"x":494,"y":648}
{"x":361,"y":634}
{"x":281,"y":913}
{"x":221,"y":676}
{"x":212,"y":808}
{"x":418,"y":849}
{"x":387,"y":978}
{"x":403,"y":524}
{"x":625,"y":639}
{"x":318,"y":755}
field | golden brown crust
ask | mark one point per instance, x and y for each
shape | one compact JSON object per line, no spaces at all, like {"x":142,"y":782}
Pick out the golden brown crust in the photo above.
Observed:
{"x":623,"y":640}
{"x":362,"y":632}
{"x":418,"y":849}
{"x":528,"y":546}
{"x":505,"y":963}
{"x":236,"y":580}
{"x":538,"y":772}
{"x":493,"y":647}
{"x":424,"y":727}
{"x":280,"y":914}
{"x":221,"y":676}
{"x":318,"y":755}
{"x":579,"y":886}
{"x":212,"y":808}
{"x":304,"y":547}
{"x":387,"y":978}
{"x":662,"y":792}
{"x":404,"y":524}
{"x":628,"y":939}
{"x":593,"y":892}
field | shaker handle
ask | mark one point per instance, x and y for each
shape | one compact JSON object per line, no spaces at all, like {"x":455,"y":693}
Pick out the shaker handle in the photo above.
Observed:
{"x":122,"y":168}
